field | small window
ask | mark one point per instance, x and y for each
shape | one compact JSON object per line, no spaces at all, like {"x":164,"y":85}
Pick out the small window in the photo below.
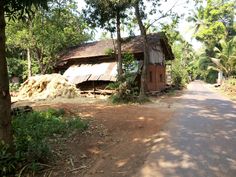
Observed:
{"x":150,"y":76}
{"x":161,"y":78}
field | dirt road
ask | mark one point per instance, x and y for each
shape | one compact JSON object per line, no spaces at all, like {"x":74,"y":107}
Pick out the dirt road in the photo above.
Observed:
{"x":191,"y":135}
{"x":117,"y":142}
{"x":200,"y":141}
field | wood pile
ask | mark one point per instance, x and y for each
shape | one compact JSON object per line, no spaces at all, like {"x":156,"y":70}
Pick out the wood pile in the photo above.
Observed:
{"x":47,"y":86}
{"x":20,"y":110}
{"x":97,"y":92}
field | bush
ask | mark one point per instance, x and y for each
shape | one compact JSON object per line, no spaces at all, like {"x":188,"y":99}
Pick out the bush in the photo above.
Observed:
{"x":229,"y":86}
{"x":211,"y":76}
{"x":127,"y":90}
{"x":32,"y":132}
{"x":8,"y":162}
{"x":179,"y":76}
{"x":14,"y":87}
{"x":126,"y":87}
{"x":231,"y":81}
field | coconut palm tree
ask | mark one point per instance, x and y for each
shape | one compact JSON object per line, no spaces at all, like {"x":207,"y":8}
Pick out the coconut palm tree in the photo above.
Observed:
{"x":225,"y":60}
{"x":197,"y":18}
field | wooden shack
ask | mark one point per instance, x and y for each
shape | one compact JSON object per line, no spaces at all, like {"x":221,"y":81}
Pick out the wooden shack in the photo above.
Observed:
{"x":91,"y":63}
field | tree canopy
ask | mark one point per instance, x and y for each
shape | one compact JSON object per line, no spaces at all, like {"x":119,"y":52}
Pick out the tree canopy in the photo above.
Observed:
{"x":214,"y":22}
{"x":108,"y":14}
{"x":215,"y":28}
{"x":12,"y":9}
{"x":46,"y":34}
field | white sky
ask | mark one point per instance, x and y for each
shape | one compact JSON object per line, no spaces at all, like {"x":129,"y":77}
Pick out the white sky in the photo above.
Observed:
{"x":185,"y":28}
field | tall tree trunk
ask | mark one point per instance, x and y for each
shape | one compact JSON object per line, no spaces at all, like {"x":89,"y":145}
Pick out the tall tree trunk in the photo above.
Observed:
{"x":119,"y":44}
{"x":30,"y":27}
{"x":40,"y":60}
{"x":29,"y":63}
{"x":5,"y":99}
{"x":143,"y":86}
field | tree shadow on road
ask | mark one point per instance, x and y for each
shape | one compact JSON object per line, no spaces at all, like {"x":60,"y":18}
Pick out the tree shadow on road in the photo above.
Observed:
{"x":200,"y":141}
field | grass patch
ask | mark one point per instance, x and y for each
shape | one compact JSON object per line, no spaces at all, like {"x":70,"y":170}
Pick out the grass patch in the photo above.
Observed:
{"x":171,"y":91}
{"x":32,"y":132}
{"x":229,"y":88}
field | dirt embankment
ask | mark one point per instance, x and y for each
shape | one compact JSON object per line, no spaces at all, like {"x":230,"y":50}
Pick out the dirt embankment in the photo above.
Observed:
{"x":229,"y":88}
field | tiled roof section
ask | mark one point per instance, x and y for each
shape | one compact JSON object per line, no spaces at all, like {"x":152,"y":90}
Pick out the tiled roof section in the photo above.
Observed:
{"x":87,"y":50}
{"x":100,"y":48}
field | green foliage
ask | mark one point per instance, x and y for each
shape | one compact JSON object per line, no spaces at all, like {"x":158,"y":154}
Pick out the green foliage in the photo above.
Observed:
{"x":179,"y":75}
{"x":127,"y":90}
{"x":203,"y":71}
{"x":229,"y":87}
{"x":109,"y":51}
{"x":129,"y":63}
{"x":214,"y":22}
{"x":8,"y":162}
{"x":32,"y":133}
{"x":225,"y":59}
{"x":231,"y":81}
{"x":126,"y":86}
{"x":211,"y":76}
{"x":16,"y":9}
{"x":113,"y":85}
{"x":214,"y":26}
{"x":108,"y":14}
{"x":213,"y":33}
{"x":15,"y":65}
{"x":32,"y":130}
{"x":103,"y":13}
{"x":192,"y":69}
{"x":14,"y":87}
{"x":230,"y":84}
{"x":46,"y":34}
{"x":171,"y":31}
{"x":182,"y":67}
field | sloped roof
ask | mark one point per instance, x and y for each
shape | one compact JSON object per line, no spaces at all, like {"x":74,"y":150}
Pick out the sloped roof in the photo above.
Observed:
{"x":92,"y":49}
{"x":77,"y":74}
{"x":130,"y":44}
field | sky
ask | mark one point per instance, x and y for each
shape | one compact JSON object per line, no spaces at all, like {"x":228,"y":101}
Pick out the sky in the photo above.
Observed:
{"x":185,"y":28}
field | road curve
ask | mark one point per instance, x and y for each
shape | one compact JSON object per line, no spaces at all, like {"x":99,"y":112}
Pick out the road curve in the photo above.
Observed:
{"x":200,"y":141}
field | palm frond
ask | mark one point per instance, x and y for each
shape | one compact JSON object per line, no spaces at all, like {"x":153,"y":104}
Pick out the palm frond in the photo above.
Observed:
{"x":219,"y":64}
{"x":213,"y":68}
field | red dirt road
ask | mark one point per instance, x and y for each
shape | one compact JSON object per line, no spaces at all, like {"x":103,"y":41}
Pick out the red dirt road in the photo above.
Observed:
{"x":117,"y":142}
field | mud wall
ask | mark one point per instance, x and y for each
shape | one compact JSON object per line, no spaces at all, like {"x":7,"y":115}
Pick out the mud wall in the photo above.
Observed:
{"x":156,"y":77}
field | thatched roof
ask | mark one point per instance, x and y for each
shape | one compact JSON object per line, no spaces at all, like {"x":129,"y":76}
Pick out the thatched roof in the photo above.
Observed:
{"x":130,"y":44}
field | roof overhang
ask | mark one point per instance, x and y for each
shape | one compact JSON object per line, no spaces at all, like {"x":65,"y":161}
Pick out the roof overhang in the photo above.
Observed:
{"x":77,"y":74}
